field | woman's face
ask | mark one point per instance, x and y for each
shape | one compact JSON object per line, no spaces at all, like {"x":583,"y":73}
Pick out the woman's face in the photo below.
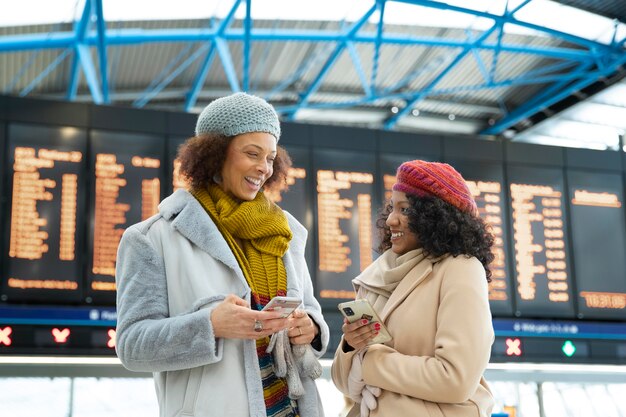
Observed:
{"x":249,"y":163}
{"x":403,"y":240}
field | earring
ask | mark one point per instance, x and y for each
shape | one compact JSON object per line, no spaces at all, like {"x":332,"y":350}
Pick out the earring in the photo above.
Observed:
{"x":217,"y":178}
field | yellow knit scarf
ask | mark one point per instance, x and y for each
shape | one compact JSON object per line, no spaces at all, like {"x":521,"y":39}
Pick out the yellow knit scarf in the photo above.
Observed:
{"x":262,"y":230}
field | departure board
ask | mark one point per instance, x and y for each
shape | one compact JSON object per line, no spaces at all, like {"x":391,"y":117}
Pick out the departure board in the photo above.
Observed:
{"x":344,"y":189}
{"x":126,"y":189}
{"x":296,"y":197}
{"x":292,"y":196}
{"x":3,"y":162}
{"x":46,"y":169}
{"x":486,"y":182}
{"x":540,"y":243}
{"x":596,"y":202}
{"x":174,"y":165}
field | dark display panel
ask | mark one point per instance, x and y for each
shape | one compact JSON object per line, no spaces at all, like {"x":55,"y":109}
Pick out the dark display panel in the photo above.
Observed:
{"x":293,"y":196}
{"x":344,"y":207}
{"x":3,"y":162}
{"x":296,"y":197}
{"x":127,"y":170}
{"x":57,"y":330}
{"x":563,"y":209}
{"x":174,"y":165}
{"x":523,"y":340}
{"x":540,"y":243}
{"x":596,"y":202}
{"x":44,"y":230}
{"x":486,"y":182}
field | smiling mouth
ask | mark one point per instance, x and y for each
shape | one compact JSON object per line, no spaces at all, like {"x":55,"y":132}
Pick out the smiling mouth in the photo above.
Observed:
{"x":396,"y":235}
{"x":254,"y":181}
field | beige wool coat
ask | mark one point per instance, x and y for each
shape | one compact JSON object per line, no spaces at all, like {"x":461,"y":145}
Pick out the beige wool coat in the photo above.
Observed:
{"x":440,"y":321}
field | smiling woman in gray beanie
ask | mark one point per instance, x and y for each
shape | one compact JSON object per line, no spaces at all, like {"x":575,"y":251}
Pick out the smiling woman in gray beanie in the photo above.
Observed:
{"x":193,"y":279}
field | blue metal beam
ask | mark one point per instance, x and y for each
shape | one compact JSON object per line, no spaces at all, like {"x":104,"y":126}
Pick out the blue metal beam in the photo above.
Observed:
{"x":72,"y":86}
{"x":192,"y":95}
{"x":391,"y":122}
{"x":317,"y":82}
{"x":80,"y":29}
{"x":552,"y":68}
{"x":90,"y":72}
{"x":406,"y":80}
{"x":170,"y":77}
{"x":139,"y":36}
{"x":519,"y":6}
{"x":507,"y":19}
{"x":157,"y":82}
{"x":380,"y":5}
{"x":44,"y":73}
{"x":564,"y":79}
{"x":496,"y":55}
{"x":552,"y":95}
{"x":102,"y":50}
{"x":309,"y":62}
{"x":247,"y":25}
{"x":81,"y":26}
{"x":227,"y":63}
{"x":479,"y":61}
{"x":356,"y":61}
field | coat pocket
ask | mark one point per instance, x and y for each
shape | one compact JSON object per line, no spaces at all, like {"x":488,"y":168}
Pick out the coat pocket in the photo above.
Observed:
{"x":191,"y":392}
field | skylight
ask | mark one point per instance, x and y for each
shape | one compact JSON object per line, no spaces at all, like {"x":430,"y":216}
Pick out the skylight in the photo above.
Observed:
{"x":540,"y":12}
{"x":595,"y":123}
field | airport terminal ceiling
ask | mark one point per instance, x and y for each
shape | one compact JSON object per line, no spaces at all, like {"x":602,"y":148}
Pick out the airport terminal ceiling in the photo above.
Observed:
{"x":522,"y":70}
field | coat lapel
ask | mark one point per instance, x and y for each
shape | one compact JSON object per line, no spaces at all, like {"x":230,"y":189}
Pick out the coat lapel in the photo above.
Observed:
{"x":194,"y":223}
{"x":415,"y":277}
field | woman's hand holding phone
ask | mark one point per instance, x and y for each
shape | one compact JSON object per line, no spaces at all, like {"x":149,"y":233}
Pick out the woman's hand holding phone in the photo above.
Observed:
{"x":359,"y":334}
{"x":362,"y":326}
{"x":233,"y":319}
{"x":302,"y":330}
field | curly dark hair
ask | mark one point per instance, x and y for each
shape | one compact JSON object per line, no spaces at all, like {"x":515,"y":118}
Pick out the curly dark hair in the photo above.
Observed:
{"x":442,"y":228}
{"x":202,"y":158}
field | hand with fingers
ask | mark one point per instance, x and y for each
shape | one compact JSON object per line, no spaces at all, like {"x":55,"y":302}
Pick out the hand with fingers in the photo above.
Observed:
{"x":359,"y":333}
{"x":233,"y":319}
{"x":302,"y":330}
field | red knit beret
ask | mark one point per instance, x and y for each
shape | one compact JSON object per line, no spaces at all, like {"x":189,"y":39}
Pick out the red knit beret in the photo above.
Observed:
{"x":435,"y":179}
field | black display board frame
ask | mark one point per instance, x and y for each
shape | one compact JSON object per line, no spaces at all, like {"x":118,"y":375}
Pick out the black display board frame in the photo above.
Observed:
{"x":315,"y":144}
{"x":49,"y":267}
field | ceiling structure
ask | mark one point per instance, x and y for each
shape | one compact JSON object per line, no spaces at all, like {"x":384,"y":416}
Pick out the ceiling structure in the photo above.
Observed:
{"x":497,"y":73}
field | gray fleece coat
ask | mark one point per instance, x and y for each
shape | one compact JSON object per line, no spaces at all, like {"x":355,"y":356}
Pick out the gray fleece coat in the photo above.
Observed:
{"x":172,"y":270}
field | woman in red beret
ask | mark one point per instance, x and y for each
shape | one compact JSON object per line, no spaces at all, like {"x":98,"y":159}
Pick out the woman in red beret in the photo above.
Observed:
{"x":429,"y":288}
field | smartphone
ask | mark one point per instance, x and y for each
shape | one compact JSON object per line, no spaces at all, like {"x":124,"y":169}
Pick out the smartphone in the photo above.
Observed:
{"x":362,"y":309}
{"x":284,"y":304}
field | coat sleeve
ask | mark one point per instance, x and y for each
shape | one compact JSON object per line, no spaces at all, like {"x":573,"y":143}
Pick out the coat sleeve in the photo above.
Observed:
{"x":462,"y":344}
{"x":147,"y":338}
{"x":340,"y":369}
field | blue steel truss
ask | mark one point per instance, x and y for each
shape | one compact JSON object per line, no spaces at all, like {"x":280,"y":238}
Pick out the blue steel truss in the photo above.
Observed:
{"x":577,"y":66}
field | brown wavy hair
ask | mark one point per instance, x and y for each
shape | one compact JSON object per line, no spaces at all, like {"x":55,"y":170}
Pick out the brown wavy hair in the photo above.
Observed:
{"x":442,"y":229}
{"x":202,"y":159}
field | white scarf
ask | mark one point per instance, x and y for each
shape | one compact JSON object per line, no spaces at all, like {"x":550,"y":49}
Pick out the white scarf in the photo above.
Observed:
{"x":383,"y":276}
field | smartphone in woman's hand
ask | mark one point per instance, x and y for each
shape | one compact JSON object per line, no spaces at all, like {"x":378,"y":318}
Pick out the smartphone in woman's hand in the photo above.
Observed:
{"x":286,"y":305}
{"x":362,"y":309}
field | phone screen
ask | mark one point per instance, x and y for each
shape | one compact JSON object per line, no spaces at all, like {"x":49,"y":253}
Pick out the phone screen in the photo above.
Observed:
{"x":361,"y":309}
{"x":284,"y":304}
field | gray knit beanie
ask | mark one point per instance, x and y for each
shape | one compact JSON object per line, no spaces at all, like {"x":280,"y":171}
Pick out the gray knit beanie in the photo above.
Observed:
{"x":237,"y":114}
